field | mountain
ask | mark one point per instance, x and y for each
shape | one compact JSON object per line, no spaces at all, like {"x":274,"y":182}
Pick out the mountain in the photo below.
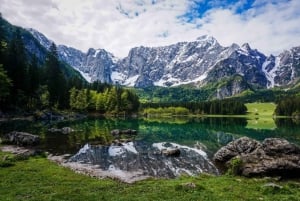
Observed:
{"x":201,"y":63}
{"x":284,"y":69}
{"x":93,"y":65}
{"x":34,"y":47}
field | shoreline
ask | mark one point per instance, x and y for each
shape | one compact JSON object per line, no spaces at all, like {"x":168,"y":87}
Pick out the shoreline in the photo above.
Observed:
{"x":80,"y":168}
{"x":95,"y":172}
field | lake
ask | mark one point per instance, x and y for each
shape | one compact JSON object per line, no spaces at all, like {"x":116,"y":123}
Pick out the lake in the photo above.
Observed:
{"x":90,"y":141}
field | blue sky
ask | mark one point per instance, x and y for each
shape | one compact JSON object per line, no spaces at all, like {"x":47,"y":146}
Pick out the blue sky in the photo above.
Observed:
{"x":199,"y":8}
{"x":118,"y":25}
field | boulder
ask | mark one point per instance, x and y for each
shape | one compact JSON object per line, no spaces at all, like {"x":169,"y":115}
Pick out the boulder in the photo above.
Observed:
{"x":237,"y":147}
{"x":272,"y":157}
{"x":21,"y":138}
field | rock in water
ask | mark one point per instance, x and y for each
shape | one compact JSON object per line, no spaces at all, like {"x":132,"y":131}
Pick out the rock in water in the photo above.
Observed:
{"x":64,"y":130}
{"x":274,"y":157}
{"x":139,"y":160}
{"x":21,"y":138}
{"x":67,"y":130}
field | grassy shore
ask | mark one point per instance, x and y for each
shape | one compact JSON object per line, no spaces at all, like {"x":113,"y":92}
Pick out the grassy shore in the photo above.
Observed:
{"x":40,"y":179}
{"x":260,"y":115}
{"x":260,"y":109}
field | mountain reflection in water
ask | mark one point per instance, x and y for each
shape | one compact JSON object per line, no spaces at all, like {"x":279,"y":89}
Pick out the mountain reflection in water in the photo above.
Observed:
{"x":145,"y":159}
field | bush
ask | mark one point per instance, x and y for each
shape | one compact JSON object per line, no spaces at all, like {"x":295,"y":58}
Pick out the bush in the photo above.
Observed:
{"x":235,"y":165}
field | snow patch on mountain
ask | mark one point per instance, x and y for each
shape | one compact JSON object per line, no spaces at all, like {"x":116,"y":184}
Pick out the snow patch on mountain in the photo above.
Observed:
{"x":271,"y":74}
{"x":86,"y":76}
{"x":97,"y":51}
{"x":117,"y":77}
{"x":131,"y":81}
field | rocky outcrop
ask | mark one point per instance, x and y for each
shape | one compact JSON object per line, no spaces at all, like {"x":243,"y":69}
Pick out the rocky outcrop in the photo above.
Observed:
{"x":97,"y":65}
{"x":21,"y":138}
{"x":231,"y":87}
{"x":274,"y":157}
{"x":283,"y":69}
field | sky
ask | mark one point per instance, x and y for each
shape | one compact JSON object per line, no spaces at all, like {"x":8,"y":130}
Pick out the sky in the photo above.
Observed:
{"x":270,"y":26}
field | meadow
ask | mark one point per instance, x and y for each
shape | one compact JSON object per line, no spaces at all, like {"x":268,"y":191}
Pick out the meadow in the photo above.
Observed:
{"x":39,"y":179}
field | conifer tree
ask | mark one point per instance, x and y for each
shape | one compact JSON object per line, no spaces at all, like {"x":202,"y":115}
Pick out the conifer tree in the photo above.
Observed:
{"x":16,"y":69}
{"x":5,"y":84}
{"x":55,"y":79}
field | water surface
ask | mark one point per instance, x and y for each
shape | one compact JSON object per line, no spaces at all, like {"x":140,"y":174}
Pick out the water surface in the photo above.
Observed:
{"x":208,"y":134}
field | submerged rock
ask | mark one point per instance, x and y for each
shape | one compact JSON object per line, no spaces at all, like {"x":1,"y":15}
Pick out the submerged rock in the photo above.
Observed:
{"x":274,"y":157}
{"x":118,"y":132}
{"x":21,"y":138}
{"x":140,"y":160}
{"x":64,"y":130}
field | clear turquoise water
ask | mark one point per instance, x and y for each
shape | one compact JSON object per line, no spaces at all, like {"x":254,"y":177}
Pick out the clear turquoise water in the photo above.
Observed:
{"x":208,"y":133}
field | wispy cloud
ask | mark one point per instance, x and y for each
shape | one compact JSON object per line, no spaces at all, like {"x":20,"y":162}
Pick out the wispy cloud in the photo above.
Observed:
{"x":118,"y":25}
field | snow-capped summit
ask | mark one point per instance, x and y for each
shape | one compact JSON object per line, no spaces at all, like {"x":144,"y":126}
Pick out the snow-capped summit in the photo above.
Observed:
{"x":199,"y":62}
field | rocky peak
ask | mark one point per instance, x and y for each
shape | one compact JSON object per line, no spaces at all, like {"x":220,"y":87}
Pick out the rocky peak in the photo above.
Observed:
{"x":44,"y":41}
{"x":199,"y":62}
{"x":207,"y":39}
{"x":246,"y":47}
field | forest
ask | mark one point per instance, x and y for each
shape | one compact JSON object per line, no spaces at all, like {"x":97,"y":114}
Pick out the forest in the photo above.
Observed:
{"x":223,"y":107}
{"x":28,"y":84}
{"x":289,"y":106}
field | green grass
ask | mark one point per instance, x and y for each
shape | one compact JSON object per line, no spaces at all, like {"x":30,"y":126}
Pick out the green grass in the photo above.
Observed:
{"x":260,"y":115}
{"x":39,"y":179}
{"x":260,"y":109}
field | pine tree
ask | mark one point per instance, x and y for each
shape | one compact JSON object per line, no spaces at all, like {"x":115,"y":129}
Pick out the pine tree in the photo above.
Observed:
{"x":16,"y":69}
{"x":3,"y":42}
{"x":55,"y":79}
{"x":73,"y":97}
{"x":5,"y":84}
{"x":33,"y":82}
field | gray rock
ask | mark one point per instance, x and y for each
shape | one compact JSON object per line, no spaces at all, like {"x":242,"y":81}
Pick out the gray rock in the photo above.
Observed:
{"x":237,"y":147}
{"x":171,"y":152}
{"x":67,"y":130}
{"x":115,"y":132}
{"x":21,"y":138}
{"x":274,"y":157}
{"x":64,"y":130}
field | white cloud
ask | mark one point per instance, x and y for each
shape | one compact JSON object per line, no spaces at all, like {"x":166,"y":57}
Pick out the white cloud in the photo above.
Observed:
{"x":269,"y":28}
{"x":118,"y":25}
